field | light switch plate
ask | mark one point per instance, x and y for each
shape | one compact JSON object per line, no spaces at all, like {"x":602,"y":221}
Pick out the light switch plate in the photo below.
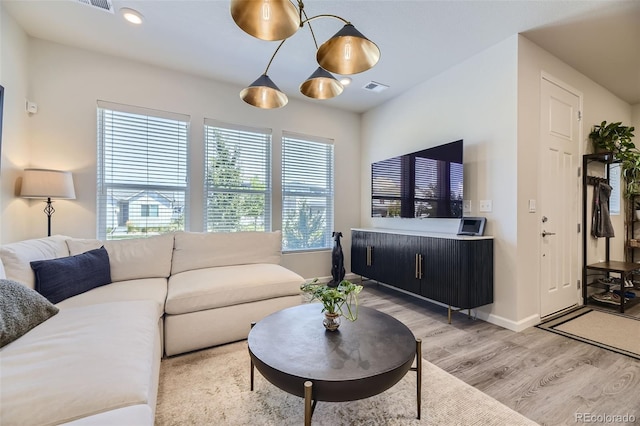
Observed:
{"x":466,"y":206}
{"x":486,"y":206}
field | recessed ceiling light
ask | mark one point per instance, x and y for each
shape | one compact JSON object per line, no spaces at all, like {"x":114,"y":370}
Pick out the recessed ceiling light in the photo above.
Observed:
{"x":131,"y":15}
{"x":345,"y":81}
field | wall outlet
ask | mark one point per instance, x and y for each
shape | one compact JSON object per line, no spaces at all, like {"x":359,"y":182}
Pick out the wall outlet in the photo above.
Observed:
{"x":466,"y":206}
{"x":486,"y":206}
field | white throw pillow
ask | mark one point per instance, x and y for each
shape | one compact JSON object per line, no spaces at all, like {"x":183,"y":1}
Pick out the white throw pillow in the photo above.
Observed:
{"x":16,"y":256}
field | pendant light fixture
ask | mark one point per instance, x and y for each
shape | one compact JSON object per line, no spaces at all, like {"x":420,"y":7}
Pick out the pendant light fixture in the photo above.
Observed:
{"x":266,"y":19}
{"x":347,"y":52}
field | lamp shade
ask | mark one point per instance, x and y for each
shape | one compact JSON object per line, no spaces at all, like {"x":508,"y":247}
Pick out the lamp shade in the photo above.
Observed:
{"x":348,"y":52}
{"x":263,"y":93}
{"x":321,"y":85}
{"x":266,"y":19}
{"x":43,"y":183}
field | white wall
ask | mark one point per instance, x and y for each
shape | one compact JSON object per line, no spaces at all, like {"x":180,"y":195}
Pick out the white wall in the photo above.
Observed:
{"x":598,"y":105}
{"x":15,"y":138}
{"x":475,"y":101}
{"x":635,"y":122}
{"x":66,"y":83}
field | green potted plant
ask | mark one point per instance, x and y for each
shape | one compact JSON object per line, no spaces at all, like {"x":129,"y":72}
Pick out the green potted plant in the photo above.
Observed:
{"x":613,"y":137}
{"x":341,"y":300}
{"x":631,"y":173}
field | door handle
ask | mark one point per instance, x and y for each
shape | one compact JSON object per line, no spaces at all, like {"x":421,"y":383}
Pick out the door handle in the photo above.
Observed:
{"x":416,"y":274}
{"x":545,"y":233}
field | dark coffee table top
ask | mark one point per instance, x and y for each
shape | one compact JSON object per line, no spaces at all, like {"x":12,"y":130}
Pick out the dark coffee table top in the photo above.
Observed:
{"x":360,"y":359}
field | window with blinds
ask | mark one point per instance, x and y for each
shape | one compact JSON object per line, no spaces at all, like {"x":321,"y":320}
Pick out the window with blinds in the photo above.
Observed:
{"x":237,"y":178}
{"x":307,"y":193}
{"x":142,"y":182}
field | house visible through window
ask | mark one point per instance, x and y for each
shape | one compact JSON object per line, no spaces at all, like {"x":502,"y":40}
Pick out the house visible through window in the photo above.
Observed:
{"x":307,"y":192}
{"x":237,"y":178}
{"x":142,"y":171}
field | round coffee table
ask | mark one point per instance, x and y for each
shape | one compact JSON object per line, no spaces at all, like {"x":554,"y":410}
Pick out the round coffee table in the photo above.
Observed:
{"x":293,"y":351}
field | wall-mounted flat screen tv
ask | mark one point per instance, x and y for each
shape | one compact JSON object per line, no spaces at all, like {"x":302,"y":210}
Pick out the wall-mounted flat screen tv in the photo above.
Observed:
{"x":422,"y":184}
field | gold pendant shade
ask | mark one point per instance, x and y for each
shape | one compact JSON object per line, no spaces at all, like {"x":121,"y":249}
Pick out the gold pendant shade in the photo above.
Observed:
{"x":266,"y":19}
{"x":321,"y":85}
{"x":348,"y":52}
{"x":263,"y":93}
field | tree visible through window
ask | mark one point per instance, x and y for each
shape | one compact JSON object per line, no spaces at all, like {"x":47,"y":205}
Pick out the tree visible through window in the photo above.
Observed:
{"x":237,"y":178}
{"x":142,"y":171}
{"x":307,"y":193}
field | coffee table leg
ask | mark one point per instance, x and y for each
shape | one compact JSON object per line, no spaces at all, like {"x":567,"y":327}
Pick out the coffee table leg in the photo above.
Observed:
{"x":419,"y":374}
{"x":252,"y":366}
{"x":307,"y":403}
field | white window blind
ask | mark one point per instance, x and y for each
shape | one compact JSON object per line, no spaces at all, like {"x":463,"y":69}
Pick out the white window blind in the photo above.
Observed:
{"x":142,"y":171}
{"x":307,"y":193}
{"x":237,"y":178}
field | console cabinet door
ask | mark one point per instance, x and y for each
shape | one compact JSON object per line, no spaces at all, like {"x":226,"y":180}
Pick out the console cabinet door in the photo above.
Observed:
{"x":441,"y":272}
{"x":366,"y":259}
{"x":403,"y":269}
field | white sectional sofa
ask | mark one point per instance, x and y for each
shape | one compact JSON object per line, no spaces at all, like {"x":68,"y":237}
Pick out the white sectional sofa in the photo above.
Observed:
{"x":97,"y":360}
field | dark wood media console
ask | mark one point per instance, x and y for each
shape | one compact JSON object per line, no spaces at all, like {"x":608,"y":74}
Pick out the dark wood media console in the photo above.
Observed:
{"x":450,"y":269}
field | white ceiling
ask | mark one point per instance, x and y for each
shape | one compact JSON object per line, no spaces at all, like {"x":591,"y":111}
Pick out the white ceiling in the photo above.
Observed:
{"x":418,"y":39}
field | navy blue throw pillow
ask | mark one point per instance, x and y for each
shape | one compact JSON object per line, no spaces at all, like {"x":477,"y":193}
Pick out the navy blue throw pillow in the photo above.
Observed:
{"x":59,"y":279}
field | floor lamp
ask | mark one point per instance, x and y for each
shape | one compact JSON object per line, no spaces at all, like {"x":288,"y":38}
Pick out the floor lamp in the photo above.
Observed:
{"x":43,"y":183}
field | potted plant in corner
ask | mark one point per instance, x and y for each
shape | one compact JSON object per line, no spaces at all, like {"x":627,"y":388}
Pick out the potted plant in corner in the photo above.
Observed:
{"x":613,"y":137}
{"x":341,"y":300}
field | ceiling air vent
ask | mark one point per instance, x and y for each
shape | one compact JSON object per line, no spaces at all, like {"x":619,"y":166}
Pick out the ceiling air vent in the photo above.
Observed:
{"x":373,"y":86}
{"x":105,"y":5}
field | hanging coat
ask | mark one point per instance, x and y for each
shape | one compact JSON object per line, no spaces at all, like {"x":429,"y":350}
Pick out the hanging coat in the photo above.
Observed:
{"x":601,"y":225}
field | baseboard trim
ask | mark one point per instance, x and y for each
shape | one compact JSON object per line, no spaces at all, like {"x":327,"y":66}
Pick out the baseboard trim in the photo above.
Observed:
{"x":516,"y":326}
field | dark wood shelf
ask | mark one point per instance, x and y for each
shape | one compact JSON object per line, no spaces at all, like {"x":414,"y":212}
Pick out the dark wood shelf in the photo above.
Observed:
{"x":614,"y":266}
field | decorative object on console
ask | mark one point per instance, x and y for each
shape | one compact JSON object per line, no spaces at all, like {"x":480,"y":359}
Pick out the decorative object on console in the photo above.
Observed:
{"x":472,"y":226}
{"x":337,"y":261}
{"x":21,"y":309}
{"x":336,"y":301}
{"x":44,"y":183}
{"x":347,"y":52}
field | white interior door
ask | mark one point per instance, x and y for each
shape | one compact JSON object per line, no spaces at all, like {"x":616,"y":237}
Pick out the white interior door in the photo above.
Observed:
{"x":560,"y":145}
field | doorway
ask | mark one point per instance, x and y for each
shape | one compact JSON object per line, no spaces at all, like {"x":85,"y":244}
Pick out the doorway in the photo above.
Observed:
{"x":560,"y":133}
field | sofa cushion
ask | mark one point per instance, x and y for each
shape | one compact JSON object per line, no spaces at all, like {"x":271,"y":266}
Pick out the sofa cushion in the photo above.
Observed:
{"x":16,"y":256}
{"x":81,"y":362}
{"x":197,"y":250}
{"x":133,"y":258}
{"x":147,"y":288}
{"x":59,"y":279}
{"x":21,"y":309}
{"x":210,"y":288}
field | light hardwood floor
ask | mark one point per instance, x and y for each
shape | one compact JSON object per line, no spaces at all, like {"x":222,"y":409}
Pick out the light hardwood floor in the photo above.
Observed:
{"x":549,"y":378}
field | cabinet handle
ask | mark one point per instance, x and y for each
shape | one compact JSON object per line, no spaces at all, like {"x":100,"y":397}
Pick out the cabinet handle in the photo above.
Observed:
{"x":368,"y":255}
{"x":420,"y":265}
{"x":417,"y":266}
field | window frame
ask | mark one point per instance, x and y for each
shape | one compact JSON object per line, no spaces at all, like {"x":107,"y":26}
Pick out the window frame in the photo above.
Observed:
{"x":233,"y":131}
{"x":329,"y":191}
{"x":103,"y":186}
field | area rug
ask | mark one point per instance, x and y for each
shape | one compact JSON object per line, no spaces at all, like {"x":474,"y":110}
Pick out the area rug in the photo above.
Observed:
{"x":617,"y":333}
{"x":211,"y":387}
